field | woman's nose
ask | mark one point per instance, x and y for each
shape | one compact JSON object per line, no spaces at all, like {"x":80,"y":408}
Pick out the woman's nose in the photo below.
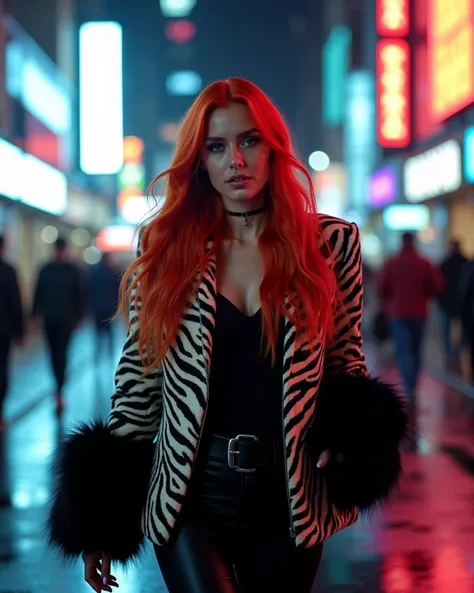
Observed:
{"x":236,"y":158}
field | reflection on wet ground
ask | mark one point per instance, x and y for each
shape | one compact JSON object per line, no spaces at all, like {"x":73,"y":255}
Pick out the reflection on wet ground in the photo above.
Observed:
{"x":423,"y":543}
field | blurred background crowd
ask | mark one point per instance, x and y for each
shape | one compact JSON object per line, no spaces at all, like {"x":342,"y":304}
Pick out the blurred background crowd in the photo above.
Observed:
{"x":379,"y":95}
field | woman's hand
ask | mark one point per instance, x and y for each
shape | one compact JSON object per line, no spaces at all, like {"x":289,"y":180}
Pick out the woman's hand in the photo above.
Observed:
{"x":97,"y":571}
{"x":326,"y":456}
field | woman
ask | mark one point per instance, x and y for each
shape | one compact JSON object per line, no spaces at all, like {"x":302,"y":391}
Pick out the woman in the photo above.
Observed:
{"x":246,"y":479}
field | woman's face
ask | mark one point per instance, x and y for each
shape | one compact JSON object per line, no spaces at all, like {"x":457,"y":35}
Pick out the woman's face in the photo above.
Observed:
{"x":235,"y":156}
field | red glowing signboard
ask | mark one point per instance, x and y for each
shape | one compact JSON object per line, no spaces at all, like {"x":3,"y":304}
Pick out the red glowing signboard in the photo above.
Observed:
{"x":393,"y":93}
{"x":393,"y":18}
{"x":450,"y":56}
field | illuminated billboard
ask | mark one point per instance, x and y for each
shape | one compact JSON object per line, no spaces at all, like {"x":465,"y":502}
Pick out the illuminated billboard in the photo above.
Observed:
{"x":406,"y":217}
{"x":393,"y":93}
{"x":31,"y":181}
{"x":433,"y":173}
{"x":450,"y":56}
{"x":101,"y":98}
{"x":393,"y":18}
{"x":43,"y":187}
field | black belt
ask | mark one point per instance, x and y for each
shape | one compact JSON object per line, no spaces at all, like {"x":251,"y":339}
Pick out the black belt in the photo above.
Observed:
{"x":245,"y":453}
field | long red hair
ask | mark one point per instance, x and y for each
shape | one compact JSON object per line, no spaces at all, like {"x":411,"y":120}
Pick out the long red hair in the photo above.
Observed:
{"x":174,"y":243}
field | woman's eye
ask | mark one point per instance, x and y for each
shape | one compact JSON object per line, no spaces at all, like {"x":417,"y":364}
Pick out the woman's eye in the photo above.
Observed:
{"x":251,"y":141}
{"x":215,"y":147}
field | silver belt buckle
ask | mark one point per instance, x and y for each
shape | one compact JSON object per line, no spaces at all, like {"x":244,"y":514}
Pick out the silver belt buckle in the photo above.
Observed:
{"x":232,"y":453}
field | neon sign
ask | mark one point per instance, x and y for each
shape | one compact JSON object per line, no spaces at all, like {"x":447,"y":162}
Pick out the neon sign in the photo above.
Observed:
{"x":393,"y":18}
{"x":450,"y":56}
{"x":434,"y":172}
{"x":393,"y":93}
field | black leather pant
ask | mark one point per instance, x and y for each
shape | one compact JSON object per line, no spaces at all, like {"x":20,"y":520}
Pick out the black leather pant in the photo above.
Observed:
{"x":233,"y":534}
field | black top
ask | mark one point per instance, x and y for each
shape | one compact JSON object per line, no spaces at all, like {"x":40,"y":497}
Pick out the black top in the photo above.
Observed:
{"x":245,"y":390}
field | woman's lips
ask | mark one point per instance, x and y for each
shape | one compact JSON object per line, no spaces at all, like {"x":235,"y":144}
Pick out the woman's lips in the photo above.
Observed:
{"x":238,"y":182}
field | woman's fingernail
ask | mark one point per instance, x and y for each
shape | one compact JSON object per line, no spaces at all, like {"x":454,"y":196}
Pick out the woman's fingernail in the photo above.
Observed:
{"x":320,"y":463}
{"x":105,"y":580}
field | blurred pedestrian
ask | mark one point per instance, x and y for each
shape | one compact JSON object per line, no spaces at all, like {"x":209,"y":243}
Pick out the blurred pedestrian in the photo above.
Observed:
{"x":11,"y":321}
{"x":407,"y":283}
{"x":59,"y":300}
{"x":452,"y":268}
{"x":466,"y":307}
{"x":103,"y":298}
{"x":234,"y":469}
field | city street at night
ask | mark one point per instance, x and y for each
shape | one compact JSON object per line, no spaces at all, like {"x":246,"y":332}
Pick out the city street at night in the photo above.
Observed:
{"x":237,"y":296}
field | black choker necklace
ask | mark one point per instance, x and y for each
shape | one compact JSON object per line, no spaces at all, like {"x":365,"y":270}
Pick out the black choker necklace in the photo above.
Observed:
{"x":247,"y":216}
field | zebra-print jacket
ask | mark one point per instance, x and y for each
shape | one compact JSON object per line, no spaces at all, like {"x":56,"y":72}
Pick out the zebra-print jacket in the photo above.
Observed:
{"x":170,"y":403}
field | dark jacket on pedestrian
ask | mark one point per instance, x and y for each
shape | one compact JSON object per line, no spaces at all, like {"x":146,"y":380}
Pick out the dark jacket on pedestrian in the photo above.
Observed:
{"x":103,"y":291}
{"x":452,"y":269}
{"x":407,"y":283}
{"x":11,"y":310}
{"x":60,"y":294}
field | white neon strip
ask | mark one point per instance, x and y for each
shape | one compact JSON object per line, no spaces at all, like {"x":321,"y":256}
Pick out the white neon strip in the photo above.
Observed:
{"x":11,"y":162}
{"x":101,"y":98}
{"x":43,"y":186}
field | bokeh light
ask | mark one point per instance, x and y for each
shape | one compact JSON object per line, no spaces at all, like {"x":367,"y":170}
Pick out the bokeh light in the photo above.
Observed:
{"x":319,"y":161}
{"x":49,"y":234}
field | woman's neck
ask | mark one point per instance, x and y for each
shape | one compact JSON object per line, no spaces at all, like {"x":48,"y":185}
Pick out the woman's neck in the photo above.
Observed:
{"x":247,"y":229}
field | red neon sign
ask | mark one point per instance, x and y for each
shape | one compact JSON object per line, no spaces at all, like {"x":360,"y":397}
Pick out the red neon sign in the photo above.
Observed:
{"x":393,"y":18}
{"x":393,"y":93}
{"x":450,"y":56}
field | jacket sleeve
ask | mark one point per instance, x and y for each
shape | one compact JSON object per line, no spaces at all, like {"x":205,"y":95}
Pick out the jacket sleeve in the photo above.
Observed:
{"x":344,"y":350}
{"x":137,"y":402}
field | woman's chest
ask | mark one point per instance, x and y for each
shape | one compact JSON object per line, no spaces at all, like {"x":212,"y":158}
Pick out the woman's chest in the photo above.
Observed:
{"x":240,"y":272}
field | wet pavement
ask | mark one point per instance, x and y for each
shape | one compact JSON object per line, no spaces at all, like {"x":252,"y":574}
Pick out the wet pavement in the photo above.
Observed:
{"x":423,"y":543}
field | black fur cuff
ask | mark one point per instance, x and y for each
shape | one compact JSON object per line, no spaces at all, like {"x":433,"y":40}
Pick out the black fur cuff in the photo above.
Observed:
{"x":366,"y":420}
{"x":101,"y":484}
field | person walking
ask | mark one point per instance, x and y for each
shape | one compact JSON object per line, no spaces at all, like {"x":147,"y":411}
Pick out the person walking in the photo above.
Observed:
{"x":407,"y":283}
{"x":453,"y":269}
{"x":11,"y":322}
{"x":59,"y":300}
{"x":103,"y":298}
